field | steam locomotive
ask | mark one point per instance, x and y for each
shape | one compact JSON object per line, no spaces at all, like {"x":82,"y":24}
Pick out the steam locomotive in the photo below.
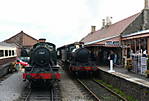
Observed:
{"x":77,"y":59}
{"x":43,"y":68}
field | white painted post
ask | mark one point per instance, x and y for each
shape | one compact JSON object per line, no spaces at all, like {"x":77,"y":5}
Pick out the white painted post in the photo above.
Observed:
{"x":111,"y":66}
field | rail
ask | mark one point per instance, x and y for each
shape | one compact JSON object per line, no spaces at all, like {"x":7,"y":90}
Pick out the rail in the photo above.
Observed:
{"x":52,"y":94}
{"x":88,"y":90}
{"x":28,"y":95}
{"x":110,"y":90}
{"x":101,"y":92}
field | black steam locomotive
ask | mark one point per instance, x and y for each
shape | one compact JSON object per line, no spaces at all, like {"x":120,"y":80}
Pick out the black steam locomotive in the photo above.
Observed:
{"x":25,"y":52}
{"x":77,"y":59}
{"x":43,"y":64}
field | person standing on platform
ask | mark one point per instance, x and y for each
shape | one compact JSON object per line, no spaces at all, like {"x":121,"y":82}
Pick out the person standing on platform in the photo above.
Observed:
{"x":112,"y":55}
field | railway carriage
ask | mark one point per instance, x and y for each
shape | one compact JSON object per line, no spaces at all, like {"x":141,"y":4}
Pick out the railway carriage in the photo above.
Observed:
{"x":8,"y":55}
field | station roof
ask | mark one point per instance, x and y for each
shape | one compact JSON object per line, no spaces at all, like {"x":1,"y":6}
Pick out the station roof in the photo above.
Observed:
{"x":7,"y":44}
{"x":22,"y":35}
{"x":111,"y":31}
{"x":22,"y":39}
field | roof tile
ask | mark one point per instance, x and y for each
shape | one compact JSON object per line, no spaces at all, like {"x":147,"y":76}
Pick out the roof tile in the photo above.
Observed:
{"x":112,"y":30}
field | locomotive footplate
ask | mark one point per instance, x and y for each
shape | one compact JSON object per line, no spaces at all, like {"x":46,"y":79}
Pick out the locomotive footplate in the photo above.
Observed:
{"x":41,"y":76}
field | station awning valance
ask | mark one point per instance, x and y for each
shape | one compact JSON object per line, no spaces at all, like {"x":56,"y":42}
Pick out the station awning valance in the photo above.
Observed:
{"x":103,"y":45}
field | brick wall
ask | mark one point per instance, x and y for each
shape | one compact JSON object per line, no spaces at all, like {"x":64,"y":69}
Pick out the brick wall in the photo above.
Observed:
{"x":137,"y":91}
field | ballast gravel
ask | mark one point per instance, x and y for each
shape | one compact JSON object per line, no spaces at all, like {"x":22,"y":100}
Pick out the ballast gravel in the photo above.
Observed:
{"x":11,"y":88}
{"x":69,"y":90}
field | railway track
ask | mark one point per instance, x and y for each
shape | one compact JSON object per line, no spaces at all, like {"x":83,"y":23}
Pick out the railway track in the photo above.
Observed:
{"x":34,"y":95}
{"x":99,"y":91}
{"x":41,"y":94}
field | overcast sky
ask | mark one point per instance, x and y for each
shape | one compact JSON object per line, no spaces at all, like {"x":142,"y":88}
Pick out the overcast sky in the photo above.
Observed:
{"x":61,"y":21}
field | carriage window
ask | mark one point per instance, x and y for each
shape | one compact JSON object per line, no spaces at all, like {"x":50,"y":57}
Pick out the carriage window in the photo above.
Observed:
{"x":12,"y":52}
{"x":6,"y":52}
{"x":1,"y":53}
{"x":9,"y":52}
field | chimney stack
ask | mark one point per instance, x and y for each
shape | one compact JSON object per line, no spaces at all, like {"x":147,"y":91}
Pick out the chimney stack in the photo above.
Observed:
{"x":93,"y":29}
{"x":108,"y":20}
{"x":146,"y":6}
{"x":42,"y":40}
{"x":103,"y":23}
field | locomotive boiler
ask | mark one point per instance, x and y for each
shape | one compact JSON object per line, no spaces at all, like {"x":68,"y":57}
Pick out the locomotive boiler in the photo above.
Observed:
{"x":80,"y":55}
{"x":43,"y":66}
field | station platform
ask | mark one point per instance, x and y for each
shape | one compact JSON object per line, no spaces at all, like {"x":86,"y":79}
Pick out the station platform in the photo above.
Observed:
{"x":127,"y":75}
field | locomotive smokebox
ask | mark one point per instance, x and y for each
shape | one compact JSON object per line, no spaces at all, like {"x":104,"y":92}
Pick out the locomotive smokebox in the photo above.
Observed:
{"x":41,"y":56}
{"x":81,"y":55}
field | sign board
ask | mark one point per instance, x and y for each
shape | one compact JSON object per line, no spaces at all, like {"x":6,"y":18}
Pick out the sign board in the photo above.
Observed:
{"x":112,"y":43}
{"x":143,"y":61}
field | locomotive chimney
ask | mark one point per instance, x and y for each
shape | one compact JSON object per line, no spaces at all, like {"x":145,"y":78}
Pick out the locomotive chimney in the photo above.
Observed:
{"x":103,"y":23}
{"x":42,"y":40}
{"x":146,"y":5}
{"x":93,"y":29}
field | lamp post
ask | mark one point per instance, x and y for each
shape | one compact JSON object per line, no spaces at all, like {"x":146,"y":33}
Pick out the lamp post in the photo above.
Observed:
{"x":111,"y":67}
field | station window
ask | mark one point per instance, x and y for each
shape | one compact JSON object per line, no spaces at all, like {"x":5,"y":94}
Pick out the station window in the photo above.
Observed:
{"x":6,"y":52}
{"x":9,"y":52}
{"x":13,"y":52}
{"x":1,"y":53}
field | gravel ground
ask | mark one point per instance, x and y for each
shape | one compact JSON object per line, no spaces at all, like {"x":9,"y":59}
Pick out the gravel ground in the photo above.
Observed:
{"x":11,"y":88}
{"x":69,"y":90}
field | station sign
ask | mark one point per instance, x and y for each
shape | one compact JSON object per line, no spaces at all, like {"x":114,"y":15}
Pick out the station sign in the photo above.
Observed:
{"x":116,"y":43}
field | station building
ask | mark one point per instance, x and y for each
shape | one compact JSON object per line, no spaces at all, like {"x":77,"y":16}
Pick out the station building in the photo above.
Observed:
{"x":128,"y":34}
{"x":136,"y":36}
{"x":22,"y":40}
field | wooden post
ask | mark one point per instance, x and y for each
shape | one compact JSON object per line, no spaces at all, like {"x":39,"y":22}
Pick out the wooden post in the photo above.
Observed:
{"x":139,"y":43}
{"x":135,"y":45}
{"x":147,"y":46}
